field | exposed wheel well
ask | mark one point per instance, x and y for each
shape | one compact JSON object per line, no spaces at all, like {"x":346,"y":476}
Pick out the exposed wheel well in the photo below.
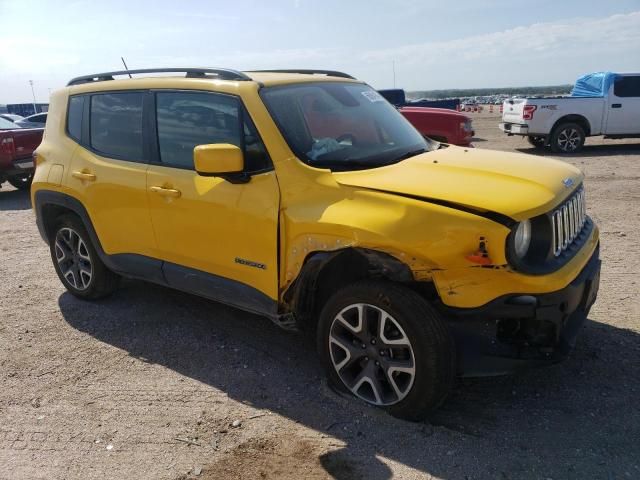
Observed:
{"x":324,"y":273}
{"x":50,"y":213}
{"x":579,"y":119}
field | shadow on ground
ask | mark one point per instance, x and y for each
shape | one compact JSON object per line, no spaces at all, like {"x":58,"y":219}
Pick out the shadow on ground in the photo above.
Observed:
{"x":579,"y":419}
{"x":11,"y":199}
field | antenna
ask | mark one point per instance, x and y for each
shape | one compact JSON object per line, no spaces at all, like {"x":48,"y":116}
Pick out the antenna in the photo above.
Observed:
{"x":125,"y":66}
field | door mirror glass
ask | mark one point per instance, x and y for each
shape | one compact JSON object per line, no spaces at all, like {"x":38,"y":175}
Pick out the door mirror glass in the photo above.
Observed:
{"x":218,"y":159}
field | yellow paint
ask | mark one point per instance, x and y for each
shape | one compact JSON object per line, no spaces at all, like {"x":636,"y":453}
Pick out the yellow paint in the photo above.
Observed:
{"x":207,"y":222}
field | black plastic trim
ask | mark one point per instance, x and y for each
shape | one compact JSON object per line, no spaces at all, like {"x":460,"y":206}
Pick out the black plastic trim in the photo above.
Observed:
{"x":221,"y":73}
{"x":329,"y":73}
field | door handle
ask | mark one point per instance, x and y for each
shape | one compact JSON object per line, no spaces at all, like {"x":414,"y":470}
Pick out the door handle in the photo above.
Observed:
{"x":166,"y":192}
{"x":616,"y":105}
{"x":86,"y":176}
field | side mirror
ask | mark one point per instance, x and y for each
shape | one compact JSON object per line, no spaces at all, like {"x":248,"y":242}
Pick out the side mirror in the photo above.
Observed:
{"x":218,"y":159}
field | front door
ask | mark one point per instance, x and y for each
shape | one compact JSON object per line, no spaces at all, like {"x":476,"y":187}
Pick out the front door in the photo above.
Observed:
{"x":218,"y":238}
{"x":624,"y":106}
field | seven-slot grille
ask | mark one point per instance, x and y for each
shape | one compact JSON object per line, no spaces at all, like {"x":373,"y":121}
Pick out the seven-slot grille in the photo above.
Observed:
{"x":568,"y":221}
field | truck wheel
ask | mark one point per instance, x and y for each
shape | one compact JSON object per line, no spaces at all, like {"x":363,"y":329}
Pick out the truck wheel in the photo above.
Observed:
{"x":77,"y":262}
{"x":567,"y":138}
{"x":537,"y":142}
{"x":386,"y":345}
{"x":21,"y":182}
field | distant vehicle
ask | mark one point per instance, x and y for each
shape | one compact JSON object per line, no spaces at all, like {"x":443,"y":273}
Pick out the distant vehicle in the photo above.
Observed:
{"x":398,"y":97}
{"x":440,"y":124}
{"x":34,"y":121}
{"x":602,"y":103}
{"x":16,"y":149}
{"x":11,"y":117}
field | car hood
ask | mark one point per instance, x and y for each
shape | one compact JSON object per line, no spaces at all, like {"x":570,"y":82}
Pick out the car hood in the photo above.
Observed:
{"x":515,"y":185}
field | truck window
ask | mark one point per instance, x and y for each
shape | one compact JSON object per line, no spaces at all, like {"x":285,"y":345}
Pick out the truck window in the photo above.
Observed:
{"x":628,"y":86}
{"x":188,"y":119}
{"x":116,"y":125}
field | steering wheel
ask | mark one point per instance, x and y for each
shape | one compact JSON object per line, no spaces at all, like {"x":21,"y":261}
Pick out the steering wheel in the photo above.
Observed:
{"x":347,"y":139}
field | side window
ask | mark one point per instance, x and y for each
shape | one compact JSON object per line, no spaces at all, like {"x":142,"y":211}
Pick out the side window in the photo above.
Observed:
{"x":74,"y":117}
{"x":116,"y":125}
{"x":188,"y":119}
{"x":628,"y":86}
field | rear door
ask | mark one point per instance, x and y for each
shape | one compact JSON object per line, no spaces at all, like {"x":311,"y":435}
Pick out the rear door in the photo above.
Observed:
{"x":624,"y":106}
{"x":218,"y":238}
{"x":108,"y":173}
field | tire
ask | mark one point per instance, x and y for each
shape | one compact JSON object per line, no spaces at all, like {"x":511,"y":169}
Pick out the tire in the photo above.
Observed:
{"x":76,"y":261}
{"x":567,"y":138}
{"x":537,"y":142}
{"x":414,"y":337}
{"x":21,"y":182}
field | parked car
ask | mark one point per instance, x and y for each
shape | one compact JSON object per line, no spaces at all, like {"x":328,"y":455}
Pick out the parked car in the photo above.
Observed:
{"x":407,"y":261}
{"x":16,"y":150}
{"x":602,"y":103}
{"x":11,"y":117}
{"x":441,"y":124}
{"x":33,"y":121}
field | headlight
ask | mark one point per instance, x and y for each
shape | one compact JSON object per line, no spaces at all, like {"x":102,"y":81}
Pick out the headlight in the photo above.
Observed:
{"x":522,"y":239}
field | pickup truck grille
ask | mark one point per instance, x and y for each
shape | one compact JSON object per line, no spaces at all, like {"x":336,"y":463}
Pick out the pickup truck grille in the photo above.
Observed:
{"x":568,"y":221}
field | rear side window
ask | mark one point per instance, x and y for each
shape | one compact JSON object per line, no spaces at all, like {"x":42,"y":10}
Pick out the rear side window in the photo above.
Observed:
{"x":188,"y":119}
{"x":116,"y":125}
{"x":627,"y":87}
{"x":74,"y":117}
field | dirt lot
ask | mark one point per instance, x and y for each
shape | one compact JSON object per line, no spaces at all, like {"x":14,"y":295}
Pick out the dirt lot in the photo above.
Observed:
{"x":147,"y":384}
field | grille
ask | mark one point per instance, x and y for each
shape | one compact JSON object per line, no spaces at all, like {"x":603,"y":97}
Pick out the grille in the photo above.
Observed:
{"x":568,"y":222}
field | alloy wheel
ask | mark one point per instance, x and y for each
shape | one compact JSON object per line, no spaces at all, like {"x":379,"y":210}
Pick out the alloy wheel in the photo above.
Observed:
{"x":372,"y":354}
{"x":569,"y":140}
{"x":73,"y":258}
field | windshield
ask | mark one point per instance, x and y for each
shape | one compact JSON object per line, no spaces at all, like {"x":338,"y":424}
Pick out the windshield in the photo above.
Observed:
{"x":342,"y":126}
{"x":7,"y":124}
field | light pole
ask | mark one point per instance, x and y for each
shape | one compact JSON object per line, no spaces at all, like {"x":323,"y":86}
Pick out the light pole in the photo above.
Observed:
{"x":34,"y":97}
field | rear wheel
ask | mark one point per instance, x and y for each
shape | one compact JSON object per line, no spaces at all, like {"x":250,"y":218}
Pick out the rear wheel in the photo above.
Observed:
{"x":537,"y":142}
{"x":21,"y":182}
{"x":386,"y":345}
{"x":567,"y":138}
{"x":77,"y":262}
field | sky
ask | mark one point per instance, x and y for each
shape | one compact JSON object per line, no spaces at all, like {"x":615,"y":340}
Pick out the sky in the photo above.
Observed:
{"x":433,"y":44}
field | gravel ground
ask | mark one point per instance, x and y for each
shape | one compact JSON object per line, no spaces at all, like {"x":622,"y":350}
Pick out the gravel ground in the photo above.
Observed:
{"x":156,"y":384}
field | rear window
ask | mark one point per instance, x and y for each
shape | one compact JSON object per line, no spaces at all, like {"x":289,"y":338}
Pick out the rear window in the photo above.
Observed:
{"x":74,"y":117}
{"x":627,"y":87}
{"x":116,"y":125}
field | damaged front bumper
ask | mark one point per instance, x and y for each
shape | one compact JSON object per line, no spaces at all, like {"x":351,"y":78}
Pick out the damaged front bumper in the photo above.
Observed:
{"x":518,"y":331}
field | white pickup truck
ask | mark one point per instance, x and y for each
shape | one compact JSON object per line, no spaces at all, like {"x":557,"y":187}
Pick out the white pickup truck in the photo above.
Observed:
{"x":602,"y":103}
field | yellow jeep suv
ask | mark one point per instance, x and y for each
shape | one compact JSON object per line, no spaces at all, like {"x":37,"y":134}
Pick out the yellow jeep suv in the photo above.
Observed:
{"x":303,"y":196}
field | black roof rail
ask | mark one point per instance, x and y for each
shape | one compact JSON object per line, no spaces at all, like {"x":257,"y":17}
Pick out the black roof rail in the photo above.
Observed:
{"x":330,"y":73}
{"x":221,"y":73}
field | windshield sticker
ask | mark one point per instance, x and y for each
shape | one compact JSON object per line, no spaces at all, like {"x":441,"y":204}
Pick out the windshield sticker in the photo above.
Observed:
{"x":372,"y":96}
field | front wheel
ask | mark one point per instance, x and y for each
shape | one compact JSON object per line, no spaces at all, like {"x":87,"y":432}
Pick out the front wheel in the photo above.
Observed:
{"x":21,"y":182}
{"x":387,"y":346}
{"x":567,"y":138}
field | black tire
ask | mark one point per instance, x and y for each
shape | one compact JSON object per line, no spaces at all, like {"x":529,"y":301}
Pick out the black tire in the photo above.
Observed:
{"x":431,"y":345}
{"x":21,"y":182}
{"x":567,"y":138}
{"x":537,"y":142}
{"x":101,"y":282}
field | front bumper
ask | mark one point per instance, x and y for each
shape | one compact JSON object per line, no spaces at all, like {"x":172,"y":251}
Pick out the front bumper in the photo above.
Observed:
{"x":514,"y":129}
{"x":518,"y":331}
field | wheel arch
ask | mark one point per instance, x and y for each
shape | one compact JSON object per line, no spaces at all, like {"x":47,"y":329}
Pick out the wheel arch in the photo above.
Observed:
{"x":324,"y":273}
{"x":573,"y":118}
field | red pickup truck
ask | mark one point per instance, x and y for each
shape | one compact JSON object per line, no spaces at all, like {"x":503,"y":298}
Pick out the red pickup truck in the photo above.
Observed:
{"x":16,"y":150}
{"x":441,"y":124}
